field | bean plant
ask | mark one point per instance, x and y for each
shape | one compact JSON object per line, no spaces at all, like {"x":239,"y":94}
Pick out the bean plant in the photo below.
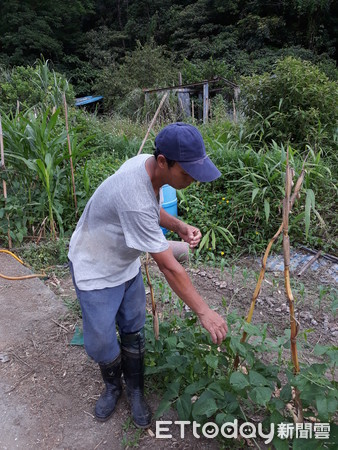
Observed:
{"x":198,"y":380}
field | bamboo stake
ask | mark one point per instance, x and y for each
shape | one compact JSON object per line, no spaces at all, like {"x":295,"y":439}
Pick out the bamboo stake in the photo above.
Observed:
{"x":153,"y":304}
{"x":70,"y":153}
{"x":255,"y":295}
{"x":153,"y":121}
{"x":4,"y":185}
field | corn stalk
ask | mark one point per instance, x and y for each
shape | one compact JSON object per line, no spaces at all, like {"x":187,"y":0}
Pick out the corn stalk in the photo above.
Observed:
{"x":288,"y":203}
{"x":286,"y":251}
{"x":4,"y":185}
{"x":70,"y":153}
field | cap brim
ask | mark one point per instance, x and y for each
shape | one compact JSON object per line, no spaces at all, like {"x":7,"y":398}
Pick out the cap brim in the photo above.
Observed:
{"x":203,"y":170}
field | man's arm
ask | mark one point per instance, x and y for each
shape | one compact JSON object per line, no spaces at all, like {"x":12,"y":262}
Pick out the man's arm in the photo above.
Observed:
{"x":188,"y":233}
{"x":180,"y":282}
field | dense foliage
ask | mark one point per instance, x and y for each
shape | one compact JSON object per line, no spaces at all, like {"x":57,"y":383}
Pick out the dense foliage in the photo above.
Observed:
{"x":295,"y":103}
{"x":88,"y":40}
{"x":237,"y":214}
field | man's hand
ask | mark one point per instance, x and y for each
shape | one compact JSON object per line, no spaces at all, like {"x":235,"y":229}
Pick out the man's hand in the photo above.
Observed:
{"x":190,"y":234}
{"x":215,"y":324}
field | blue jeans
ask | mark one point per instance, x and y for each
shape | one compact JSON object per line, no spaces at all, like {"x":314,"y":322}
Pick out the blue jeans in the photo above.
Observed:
{"x":102,"y":309}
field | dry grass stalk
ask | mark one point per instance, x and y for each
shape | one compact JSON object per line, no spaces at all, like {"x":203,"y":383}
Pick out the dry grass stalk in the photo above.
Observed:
{"x":286,"y":251}
{"x":255,"y":295}
{"x":153,"y":303}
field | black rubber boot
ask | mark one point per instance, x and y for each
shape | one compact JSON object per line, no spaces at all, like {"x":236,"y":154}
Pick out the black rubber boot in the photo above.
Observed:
{"x":111,"y":374}
{"x":133,"y":348}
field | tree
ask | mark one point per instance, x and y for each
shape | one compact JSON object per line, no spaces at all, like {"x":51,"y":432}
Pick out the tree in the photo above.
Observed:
{"x":30,"y":28}
{"x":147,"y":66}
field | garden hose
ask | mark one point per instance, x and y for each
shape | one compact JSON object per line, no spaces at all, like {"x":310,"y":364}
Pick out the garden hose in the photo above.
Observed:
{"x":24,"y":277}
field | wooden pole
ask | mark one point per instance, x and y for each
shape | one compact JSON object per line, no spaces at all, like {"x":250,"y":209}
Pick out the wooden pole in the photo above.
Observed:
{"x":156,"y":325}
{"x":309,"y":263}
{"x":70,"y":153}
{"x":205,"y":102}
{"x":153,"y":121}
{"x":153,"y":303}
{"x":4,"y":185}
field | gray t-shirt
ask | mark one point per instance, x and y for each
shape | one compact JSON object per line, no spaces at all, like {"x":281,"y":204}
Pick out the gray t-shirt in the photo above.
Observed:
{"x":120,"y":221}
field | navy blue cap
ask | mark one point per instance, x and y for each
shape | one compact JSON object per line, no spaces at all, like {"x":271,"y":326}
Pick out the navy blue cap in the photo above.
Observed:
{"x":183,"y":143}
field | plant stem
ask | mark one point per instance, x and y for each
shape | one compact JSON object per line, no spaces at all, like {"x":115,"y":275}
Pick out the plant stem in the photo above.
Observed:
{"x":288,"y":291}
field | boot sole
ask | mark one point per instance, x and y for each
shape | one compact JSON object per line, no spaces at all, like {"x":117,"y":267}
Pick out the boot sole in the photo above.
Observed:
{"x":143,"y":427}
{"x":104,"y":419}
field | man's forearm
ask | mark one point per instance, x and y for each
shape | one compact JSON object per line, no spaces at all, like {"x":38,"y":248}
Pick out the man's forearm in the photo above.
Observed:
{"x":169,"y":222}
{"x":181,"y":284}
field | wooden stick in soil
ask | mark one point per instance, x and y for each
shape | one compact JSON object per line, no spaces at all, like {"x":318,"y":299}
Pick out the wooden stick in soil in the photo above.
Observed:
{"x":153,"y":304}
{"x":4,"y":185}
{"x":70,"y":153}
{"x":309,"y":263}
{"x":153,"y":121}
{"x":255,"y":295}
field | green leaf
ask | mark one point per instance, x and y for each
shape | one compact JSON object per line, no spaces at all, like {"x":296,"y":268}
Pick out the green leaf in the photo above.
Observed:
{"x":172,"y":390}
{"x":260,"y":395}
{"x":320,"y":350}
{"x":286,"y":393}
{"x":213,"y":240}
{"x":171,"y":341}
{"x":212,"y":361}
{"x":205,"y":406}
{"x":256,"y":379}
{"x":309,"y":203}
{"x":280,"y":444}
{"x":254,"y":193}
{"x":195,"y":387}
{"x":205,"y":241}
{"x":162,"y":408}
{"x":238,"y":381}
{"x":184,"y":406}
{"x":322,"y":407}
{"x":266,"y":210}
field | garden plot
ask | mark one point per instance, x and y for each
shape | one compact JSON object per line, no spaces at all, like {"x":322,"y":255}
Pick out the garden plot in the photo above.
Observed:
{"x":49,"y":388}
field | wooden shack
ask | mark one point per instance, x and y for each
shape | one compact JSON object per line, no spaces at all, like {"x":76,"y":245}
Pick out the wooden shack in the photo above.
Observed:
{"x":203,"y":91}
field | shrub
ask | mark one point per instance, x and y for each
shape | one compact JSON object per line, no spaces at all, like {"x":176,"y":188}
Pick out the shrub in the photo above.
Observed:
{"x":295,"y":103}
{"x":32,"y":87}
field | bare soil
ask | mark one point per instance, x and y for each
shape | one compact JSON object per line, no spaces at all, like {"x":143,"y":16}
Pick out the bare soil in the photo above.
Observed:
{"x":48,"y":387}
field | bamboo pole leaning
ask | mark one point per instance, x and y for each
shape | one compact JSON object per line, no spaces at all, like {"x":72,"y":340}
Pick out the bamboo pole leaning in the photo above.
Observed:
{"x":4,"y":185}
{"x":70,"y":153}
{"x":153,"y":121}
{"x":153,"y":303}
